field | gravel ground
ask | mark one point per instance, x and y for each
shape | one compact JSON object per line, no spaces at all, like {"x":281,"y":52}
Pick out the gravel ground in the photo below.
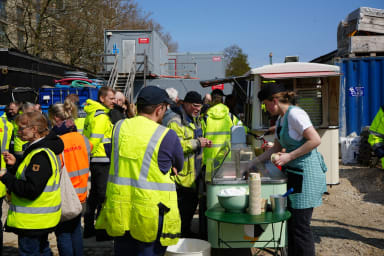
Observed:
{"x":350,"y":221}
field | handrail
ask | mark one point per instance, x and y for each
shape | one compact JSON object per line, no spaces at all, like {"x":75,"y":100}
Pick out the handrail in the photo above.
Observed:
{"x":128,"y":90}
{"x":113,"y":76}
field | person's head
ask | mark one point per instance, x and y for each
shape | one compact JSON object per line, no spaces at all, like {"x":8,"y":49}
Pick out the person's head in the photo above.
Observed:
{"x":230,"y":101}
{"x":106,"y":96}
{"x":32,"y":126}
{"x":217,"y":96}
{"x":274,"y":96}
{"x":173,"y":94}
{"x":207,"y":99}
{"x":28,"y":107}
{"x":192,"y":103}
{"x":152,"y":102}
{"x":58,"y":112}
{"x":13,"y":108}
{"x":120,"y":98}
{"x":74,"y":98}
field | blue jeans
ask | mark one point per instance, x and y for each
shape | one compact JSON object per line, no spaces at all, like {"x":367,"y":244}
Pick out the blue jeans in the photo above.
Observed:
{"x":34,"y":246}
{"x":70,"y":242}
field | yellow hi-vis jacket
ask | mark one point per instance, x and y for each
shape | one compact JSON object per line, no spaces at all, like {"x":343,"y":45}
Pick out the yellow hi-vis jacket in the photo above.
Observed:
{"x":45,"y":211}
{"x":376,"y":136}
{"x":217,"y":128}
{"x":98,"y":129}
{"x":136,"y":186}
{"x":6,"y":129}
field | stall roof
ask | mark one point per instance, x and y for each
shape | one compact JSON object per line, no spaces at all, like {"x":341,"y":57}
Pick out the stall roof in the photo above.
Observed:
{"x":295,"y":70}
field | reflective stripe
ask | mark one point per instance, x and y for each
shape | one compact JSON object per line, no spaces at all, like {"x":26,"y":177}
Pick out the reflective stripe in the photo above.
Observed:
{"x":100,"y":160}
{"x":97,"y":135}
{"x":87,"y":145}
{"x":19,"y":153}
{"x":34,"y":210}
{"x":51,"y":188}
{"x":106,"y":140}
{"x":80,"y":130}
{"x":5,"y":136}
{"x":78,"y":172}
{"x":376,"y":134}
{"x":142,"y":184}
{"x":116,"y":147}
{"x":217,"y":133}
{"x":217,"y":145}
{"x":81,"y":190}
{"x":142,"y":181}
{"x":99,"y":112}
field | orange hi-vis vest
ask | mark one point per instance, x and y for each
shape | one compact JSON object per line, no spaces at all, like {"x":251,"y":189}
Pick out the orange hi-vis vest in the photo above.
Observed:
{"x":75,"y":159}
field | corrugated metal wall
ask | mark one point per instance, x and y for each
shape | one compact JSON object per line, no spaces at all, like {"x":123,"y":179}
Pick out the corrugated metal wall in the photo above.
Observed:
{"x":204,"y":66}
{"x":361,"y":92}
{"x":145,"y":41}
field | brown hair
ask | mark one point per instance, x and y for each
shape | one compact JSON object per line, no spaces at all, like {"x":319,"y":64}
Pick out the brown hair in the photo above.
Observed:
{"x":103,"y":92}
{"x":285,"y":97}
{"x":34,"y":119}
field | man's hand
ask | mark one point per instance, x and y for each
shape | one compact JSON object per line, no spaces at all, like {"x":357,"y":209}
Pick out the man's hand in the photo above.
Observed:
{"x":174,"y":171}
{"x":205,"y":142}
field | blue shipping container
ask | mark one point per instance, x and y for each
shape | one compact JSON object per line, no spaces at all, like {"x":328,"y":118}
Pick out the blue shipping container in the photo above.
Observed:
{"x":49,"y":96}
{"x":361,"y":92}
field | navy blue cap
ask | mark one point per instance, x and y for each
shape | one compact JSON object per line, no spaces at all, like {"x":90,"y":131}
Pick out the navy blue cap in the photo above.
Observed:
{"x":269,"y":90}
{"x":193,"y":97}
{"x":153,"y":95}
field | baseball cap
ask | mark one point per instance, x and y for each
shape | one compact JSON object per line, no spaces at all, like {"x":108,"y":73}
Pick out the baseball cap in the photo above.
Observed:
{"x":193,"y":97}
{"x":270,"y":89}
{"x":153,"y":95}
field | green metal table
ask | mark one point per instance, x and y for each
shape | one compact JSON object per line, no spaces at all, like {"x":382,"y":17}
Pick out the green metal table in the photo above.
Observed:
{"x":219,"y":215}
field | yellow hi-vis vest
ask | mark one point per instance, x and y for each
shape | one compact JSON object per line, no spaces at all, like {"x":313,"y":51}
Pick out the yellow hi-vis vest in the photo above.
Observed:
{"x":218,"y":130}
{"x":79,"y":122}
{"x":6,"y":129}
{"x":45,"y":211}
{"x":136,"y":186}
{"x":19,"y":144}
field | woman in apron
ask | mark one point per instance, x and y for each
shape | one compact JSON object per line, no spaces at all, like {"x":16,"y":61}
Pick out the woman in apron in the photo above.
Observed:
{"x":296,"y":141}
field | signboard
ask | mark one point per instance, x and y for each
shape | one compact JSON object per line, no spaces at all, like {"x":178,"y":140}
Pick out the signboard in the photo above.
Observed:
{"x":216,"y":58}
{"x":144,"y":40}
{"x":218,"y":86}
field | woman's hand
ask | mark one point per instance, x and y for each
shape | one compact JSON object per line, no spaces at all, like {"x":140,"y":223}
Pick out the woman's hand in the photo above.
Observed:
{"x":9,"y":158}
{"x":282,"y":158}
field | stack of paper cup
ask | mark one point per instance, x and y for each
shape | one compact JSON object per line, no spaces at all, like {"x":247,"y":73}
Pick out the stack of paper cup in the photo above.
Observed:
{"x":254,"y":194}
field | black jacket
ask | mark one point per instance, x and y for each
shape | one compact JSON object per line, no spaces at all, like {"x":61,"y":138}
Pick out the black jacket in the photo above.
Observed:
{"x":35,"y":180}
{"x":116,"y":114}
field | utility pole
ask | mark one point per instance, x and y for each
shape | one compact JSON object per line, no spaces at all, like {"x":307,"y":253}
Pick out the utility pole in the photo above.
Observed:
{"x":270,"y":58}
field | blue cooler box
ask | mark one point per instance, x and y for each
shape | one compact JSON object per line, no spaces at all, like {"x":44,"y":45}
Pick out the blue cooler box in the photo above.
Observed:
{"x":50,"y":96}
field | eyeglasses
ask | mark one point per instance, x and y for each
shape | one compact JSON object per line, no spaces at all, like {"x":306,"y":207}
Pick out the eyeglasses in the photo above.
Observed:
{"x":21,"y":128}
{"x":195,"y":105}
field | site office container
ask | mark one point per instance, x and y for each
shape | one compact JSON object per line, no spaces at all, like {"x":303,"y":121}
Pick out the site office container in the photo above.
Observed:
{"x":199,"y":65}
{"x":131,"y":45}
{"x":361,"y":92}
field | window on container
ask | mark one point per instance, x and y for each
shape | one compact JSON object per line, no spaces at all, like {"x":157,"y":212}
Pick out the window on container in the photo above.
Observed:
{"x":3,"y":13}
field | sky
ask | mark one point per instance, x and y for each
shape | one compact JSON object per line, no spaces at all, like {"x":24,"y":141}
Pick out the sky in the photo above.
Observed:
{"x":304,"y":28}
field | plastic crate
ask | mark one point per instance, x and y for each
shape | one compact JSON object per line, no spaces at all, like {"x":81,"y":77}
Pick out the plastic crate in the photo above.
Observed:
{"x":50,"y":96}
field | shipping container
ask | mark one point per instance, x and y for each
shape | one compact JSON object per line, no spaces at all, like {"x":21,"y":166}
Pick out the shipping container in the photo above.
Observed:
{"x":361,"y":92}
{"x":20,"y":69}
{"x":131,"y":45}
{"x":49,"y":96}
{"x":200,"y":65}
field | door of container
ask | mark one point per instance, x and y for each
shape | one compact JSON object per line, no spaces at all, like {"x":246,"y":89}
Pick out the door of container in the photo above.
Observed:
{"x":128,"y":55}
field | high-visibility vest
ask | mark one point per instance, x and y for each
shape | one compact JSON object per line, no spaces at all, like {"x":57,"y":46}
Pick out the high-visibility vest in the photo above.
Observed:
{"x":218,"y":130}
{"x":6,"y":129}
{"x":79,"y":122}
{"x":19,"y":145}
{"x":376,"y":130}
{"x":75,"y":160}
{"x":45,"y":211}
{"x":136,"y":186}
{"x":98,"y":129}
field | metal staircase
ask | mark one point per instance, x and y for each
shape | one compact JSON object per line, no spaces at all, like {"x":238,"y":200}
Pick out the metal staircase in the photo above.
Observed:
{"x":123,"y":82}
